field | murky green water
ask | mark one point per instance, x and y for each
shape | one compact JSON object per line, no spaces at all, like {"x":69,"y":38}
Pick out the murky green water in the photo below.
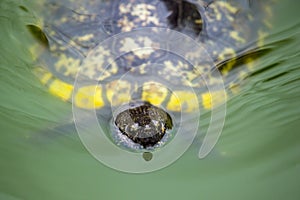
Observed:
{"x":257,"y":156}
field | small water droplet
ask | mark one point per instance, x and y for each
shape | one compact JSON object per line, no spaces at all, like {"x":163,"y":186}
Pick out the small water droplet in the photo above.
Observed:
{"x":147,"y":156}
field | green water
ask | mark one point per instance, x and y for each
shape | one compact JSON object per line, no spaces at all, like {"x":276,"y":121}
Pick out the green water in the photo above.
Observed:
{"x":257,"y":156}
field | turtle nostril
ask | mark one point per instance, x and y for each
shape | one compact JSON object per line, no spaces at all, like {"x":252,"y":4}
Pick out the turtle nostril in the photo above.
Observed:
{"x":144,"y":124}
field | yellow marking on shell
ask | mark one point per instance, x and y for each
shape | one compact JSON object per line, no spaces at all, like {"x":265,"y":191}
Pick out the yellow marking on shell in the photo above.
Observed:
{"x":142,"y":10}
{"x":53,"y":47}
{"x":227,"y":53}
{"x":218,"y":15}
{"x":171,"y":67}
{"x":183,"y":101}
{"x":61,"y":89}
{"x":242,"y":75}
{"x":52,"y":32}
{"x":151,"y":19}
{"x":125,"y":24}
{"x":56,"y":87}
{"x":46,"y":77}
{"x":155,"y":93}
{"x":212,"y":99}
{"x":129,"y":44}
{"x":71,"y":44}
{"x":80,"y":18}
{"x":235,"y":35}
{"x":68,"y":64}
{"x":64,"y":20}
{"x":220,"y":5}
{"x":229,"y":7}
{"x":118,"y":92}
{"x":168,"y":64}
{"x":261,"y":36}
{"x":113,"y":66}
{"x":250,"y":17}
{"x":124,"y":8}
{"x":89,"y":97}
{"x":93,"y":67}
{"x":86,"y":37}
{"x":250,"y":63}
{"x":147,"y":42}
{"x":43,"y":75}
{"x":234,"y":88}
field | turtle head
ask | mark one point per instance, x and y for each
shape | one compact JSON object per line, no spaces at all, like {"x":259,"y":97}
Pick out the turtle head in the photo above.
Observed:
{"x":143,"y":123}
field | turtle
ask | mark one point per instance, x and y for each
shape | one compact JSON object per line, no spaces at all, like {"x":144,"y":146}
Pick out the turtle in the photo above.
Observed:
{"x":141,"y":62}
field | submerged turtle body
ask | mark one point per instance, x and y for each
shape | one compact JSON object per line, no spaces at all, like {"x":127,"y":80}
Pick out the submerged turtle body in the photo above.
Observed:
{"x":138,"y":64}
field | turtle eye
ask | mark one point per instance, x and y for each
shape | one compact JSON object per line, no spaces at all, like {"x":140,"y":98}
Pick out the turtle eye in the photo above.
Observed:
{"x":142,"y":127}
{"x":38,"y":35}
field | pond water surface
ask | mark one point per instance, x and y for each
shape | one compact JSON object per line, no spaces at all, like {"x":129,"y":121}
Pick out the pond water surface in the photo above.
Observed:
{"x":256,"y":157}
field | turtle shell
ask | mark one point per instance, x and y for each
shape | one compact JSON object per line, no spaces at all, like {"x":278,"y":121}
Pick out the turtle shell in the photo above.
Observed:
{"x":137,"y":64}
{"x":147,"y":61}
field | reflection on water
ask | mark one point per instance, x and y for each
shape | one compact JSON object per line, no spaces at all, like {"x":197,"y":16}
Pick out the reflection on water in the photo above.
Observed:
{"x":258,"y":150}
